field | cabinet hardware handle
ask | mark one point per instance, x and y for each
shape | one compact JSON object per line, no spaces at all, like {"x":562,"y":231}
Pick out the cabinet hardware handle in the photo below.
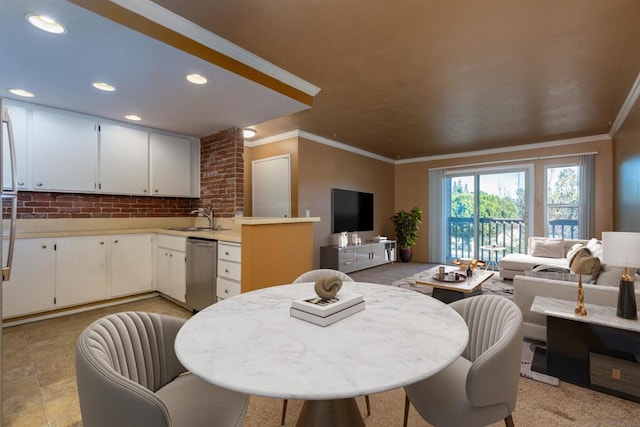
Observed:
{"x":44,"y":246}
{"x":115,"y":241}
{"x":145,"y":190}
{"x":156,"y":190}
{"x":39,"y":184}
{"x":170,"y":255}
{"x":102,"y":243}
{"x":226,"y":253}
{"x":226,"y":270}
{"x":226,"y":291}
{"x":21,"y":183}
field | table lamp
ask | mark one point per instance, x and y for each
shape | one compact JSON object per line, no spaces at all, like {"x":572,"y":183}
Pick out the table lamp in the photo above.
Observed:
{"x":623,"y":249}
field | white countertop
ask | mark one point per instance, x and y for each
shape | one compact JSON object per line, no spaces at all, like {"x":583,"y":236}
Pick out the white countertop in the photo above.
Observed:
{"x":250,"y":343}
{"x":596,"y":314}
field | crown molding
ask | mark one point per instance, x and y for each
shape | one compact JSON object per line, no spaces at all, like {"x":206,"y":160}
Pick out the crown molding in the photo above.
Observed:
{"x":515,"y":148}
{"x":634,"y":93}
{"x":180,"y":25}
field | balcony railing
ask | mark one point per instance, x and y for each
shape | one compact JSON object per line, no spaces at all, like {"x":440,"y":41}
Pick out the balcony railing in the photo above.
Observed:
{"x":507,"y":233}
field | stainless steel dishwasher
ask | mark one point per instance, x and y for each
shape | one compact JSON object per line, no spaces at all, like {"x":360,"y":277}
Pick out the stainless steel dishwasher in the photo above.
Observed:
{"x":202,"y":260}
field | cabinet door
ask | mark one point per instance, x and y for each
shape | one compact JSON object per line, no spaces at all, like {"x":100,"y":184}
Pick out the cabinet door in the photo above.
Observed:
{"x":378,"y":254}
{"x":170,"y":165}
{"x":81,"y":274}
{"x":363,"y":256}
{"x":163,"y":270}
{"x":65,"y":151}
{"x":31,"y":287}
{"x":131,"y":264}
{"x":178,"y":273}
{"x":19,"y":126}
{"x":124,"y":160}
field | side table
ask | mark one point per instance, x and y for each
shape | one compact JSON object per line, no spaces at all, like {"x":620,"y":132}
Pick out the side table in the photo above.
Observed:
{"x":600,"y":350}
{"x":493,"y":250}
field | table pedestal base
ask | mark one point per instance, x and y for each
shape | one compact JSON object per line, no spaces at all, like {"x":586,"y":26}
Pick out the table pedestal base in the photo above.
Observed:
{"x":330,"y":413}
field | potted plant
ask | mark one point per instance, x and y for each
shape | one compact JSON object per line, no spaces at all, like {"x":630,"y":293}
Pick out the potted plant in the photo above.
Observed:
{"x":405,"y":225}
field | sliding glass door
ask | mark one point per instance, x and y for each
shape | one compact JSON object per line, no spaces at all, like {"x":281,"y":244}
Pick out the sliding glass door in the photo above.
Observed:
{"x":488,"y":212}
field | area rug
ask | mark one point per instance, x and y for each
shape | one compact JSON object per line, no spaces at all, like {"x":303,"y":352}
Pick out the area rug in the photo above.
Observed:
{"x":528,"y":350}
{"x":492,"y":286}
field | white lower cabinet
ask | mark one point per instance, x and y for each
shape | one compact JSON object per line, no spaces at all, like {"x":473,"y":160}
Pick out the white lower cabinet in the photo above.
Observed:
{"x":131,"y":264}
{"x":171,"y":266}
{"x":81,"y":270}
{"x":31,"y":287}
{"x":229,"y":270}
{"x":61,"y":272}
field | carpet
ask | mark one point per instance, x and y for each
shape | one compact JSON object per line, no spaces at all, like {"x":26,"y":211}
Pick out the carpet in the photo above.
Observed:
{"x":528,"y":351}
{"x":492,"y":286}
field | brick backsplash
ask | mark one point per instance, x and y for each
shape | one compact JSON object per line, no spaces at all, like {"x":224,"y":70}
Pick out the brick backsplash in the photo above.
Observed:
{"x":221,"y":188}
{"x":37,"y":205}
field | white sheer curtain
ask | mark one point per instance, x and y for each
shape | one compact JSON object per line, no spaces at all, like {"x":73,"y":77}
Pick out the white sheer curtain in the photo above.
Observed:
{"x":587,"y":187}
{"x":437,"y":216}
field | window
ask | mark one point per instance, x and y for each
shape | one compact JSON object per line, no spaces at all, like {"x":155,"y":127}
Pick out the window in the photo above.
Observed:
{"x":562,"y":198}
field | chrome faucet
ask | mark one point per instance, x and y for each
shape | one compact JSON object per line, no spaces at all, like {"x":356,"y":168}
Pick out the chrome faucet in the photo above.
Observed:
{"x":203,"y":212}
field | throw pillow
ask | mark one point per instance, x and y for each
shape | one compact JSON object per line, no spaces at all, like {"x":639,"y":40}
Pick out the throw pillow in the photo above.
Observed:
{"x":610,"y":275}
{"x":549,"y":248}
{"x":581,"y":253}
{"x":573,"y":251}
{"x":595,"y":246}
{"x":587,"y":265}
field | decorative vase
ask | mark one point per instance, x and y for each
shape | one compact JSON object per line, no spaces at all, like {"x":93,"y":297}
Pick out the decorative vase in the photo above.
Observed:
{"x":406,"y":254}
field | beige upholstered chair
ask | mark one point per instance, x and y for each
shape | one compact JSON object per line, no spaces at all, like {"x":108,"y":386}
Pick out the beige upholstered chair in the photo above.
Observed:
{"x":128,"y":375}
{"x":312,"y":276}
{"x":481,"y":386}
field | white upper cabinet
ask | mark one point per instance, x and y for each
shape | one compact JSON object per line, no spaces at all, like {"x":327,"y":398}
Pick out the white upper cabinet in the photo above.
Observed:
{"x":170,"y":165}
{"x":19,"y":126}
{"x":65,"y":152}
{"x":124,"y":160}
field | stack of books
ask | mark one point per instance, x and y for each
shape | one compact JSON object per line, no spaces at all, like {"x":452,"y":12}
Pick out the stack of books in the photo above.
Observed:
{"x":324,"y":312}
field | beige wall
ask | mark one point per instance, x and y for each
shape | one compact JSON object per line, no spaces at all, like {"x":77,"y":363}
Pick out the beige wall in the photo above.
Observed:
{"x":322,"y":168}
{"x":411,"y":184}
{"x":626,"y":164}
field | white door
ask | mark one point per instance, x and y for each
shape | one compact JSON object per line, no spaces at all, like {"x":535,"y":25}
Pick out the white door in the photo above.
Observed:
{"x":81,"y":274}
{"x":31,"y":288}
{"x":65,"y":152}
{"x":124,"y":160}
{"x":170,"y":165}
{"x":131,"y":264}
{"x":271,"y":186}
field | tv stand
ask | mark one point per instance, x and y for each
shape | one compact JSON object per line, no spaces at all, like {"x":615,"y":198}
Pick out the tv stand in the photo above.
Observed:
{"x":357,"y":257}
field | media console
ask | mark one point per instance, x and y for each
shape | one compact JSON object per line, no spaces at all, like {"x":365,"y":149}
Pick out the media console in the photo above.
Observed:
{"x":357,"y":257}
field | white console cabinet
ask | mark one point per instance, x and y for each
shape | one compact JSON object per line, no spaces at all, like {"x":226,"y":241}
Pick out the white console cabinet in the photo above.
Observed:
{"x":357,"y":257}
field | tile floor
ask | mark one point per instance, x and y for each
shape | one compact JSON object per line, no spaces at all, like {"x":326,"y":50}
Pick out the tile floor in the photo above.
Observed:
{"x":39,"y":365}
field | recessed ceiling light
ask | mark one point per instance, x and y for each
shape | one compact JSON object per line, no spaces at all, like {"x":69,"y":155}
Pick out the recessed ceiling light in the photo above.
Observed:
{"x":103,"y":86}
{"x":45,"y":23}
{"x":133,"y":117}
{"x":196,"y":79}
{"x":248,"y":133}
{"x":21,"y":92}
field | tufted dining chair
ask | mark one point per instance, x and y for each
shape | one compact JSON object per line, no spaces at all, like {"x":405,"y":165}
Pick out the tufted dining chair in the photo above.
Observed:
{"x":481,"y":386}
{"x":312,"y":276}
{"x":128,"y":375}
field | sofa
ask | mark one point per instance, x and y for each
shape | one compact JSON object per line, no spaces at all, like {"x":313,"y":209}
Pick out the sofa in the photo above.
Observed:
{"x":514,"y":264}
{"x":542,"y":276}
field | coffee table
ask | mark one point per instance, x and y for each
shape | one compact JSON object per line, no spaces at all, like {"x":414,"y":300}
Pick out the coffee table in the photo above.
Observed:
{"x":448,"y":292}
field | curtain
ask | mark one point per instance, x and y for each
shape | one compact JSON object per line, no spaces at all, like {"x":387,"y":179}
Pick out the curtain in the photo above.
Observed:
{"x":437,"y":216}
{"x":586,"y":187}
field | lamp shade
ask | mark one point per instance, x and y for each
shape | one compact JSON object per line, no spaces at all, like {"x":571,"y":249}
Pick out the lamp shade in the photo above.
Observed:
{"x":621,"y":248}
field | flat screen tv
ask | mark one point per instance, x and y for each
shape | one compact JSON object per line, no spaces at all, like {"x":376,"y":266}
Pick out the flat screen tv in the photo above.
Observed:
{"x":352,"y":210}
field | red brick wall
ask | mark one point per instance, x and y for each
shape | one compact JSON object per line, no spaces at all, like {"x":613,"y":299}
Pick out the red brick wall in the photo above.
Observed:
{"x":33,"y":205}
{"x":222,"y":172}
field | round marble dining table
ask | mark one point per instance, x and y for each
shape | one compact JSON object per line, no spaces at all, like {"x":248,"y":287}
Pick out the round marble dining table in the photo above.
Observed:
{"x":249,"y":343}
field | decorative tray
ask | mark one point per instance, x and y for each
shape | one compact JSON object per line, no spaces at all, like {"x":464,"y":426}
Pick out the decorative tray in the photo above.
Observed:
{"x":445,"y":278}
